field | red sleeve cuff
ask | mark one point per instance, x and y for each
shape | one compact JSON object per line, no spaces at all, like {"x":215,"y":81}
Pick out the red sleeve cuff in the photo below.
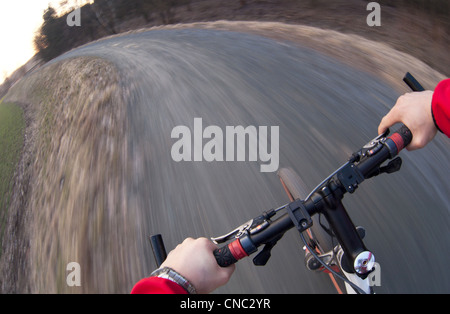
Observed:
{"x":156,"y":285}
{"x":441,"y":106}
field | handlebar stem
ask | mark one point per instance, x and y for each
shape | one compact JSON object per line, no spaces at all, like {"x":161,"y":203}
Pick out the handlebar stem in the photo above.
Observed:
{"x":328,"y":201}
{"x":343,"y":227}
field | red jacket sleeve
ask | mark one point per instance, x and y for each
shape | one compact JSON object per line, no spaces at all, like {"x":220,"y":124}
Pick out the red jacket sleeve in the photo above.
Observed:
{"x":441,"y":106}
{"x":156,"y":285}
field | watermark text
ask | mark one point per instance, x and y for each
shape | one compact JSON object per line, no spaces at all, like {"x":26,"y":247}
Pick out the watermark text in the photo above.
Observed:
{"x":73,"y":279}
{"x":374,"y":17}
{"x":74,"y":18}
{"x":229,"y":145}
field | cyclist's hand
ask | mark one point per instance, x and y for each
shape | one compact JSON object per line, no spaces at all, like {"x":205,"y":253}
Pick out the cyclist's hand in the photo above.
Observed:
{"x":194,"y":259}
{"x":413,"y":110}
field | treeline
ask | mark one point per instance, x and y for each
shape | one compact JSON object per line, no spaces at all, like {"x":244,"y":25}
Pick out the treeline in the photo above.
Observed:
{"x":440,"y":8}
{"x":102,"y":18}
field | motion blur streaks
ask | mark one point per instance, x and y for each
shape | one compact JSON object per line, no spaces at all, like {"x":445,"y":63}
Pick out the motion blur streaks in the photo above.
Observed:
{"x":325,"y":111}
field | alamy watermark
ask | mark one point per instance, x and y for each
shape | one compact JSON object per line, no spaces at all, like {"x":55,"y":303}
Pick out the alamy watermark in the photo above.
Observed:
{"x":73,"y":278}
{"x":74,"y":18}
{"x":229,"y":145}
{"x":374,"y":17}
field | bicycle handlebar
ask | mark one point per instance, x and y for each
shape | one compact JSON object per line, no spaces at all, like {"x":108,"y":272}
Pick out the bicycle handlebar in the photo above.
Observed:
{"x":413,"y":83}
{"x":403,"y":136}
{"x":363,"y":165}
{"x":335,"y":213}
{"x":230,"y":254}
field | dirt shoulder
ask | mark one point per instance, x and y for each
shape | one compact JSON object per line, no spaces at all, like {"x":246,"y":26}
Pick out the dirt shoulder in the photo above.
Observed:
{"x":69,"y":190}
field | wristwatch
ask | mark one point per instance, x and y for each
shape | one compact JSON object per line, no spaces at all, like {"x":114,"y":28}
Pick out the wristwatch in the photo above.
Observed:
{"x":169,"y":273}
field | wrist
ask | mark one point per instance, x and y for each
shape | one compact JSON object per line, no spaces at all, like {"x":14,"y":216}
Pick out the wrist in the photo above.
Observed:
{"x":172,"y":275}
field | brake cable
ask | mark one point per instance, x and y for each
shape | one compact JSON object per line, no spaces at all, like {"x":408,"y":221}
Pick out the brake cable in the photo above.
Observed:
{"x":326,"y":180}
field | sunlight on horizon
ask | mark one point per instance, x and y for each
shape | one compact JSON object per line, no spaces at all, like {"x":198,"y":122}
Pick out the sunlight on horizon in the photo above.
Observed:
{"x":19,"y":20}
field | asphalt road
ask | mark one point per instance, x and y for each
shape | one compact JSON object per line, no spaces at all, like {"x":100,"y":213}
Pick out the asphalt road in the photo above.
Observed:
{"x":325,"y":110}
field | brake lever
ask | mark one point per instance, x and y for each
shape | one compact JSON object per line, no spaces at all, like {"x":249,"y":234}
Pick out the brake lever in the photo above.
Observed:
{"x":377,"y":139}
{"x":251,"y":227}
{"x":236,"y":233}
{"x":370,"y":148}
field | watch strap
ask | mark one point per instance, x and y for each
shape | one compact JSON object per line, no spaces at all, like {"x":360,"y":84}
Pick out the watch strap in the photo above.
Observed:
{"x":172,"y":275}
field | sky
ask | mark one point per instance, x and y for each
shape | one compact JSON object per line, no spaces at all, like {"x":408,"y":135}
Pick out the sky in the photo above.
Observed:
{"x":19,"y":20}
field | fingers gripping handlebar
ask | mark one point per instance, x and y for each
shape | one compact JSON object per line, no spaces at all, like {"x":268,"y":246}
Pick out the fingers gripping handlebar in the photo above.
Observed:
{"x":403,"y":136}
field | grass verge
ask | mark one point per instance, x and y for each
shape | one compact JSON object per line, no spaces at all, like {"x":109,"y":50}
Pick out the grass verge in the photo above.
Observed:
{"x":12,"y":125}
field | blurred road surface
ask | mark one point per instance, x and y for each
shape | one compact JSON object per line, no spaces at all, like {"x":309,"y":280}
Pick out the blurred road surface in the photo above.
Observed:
{"x":325,"y":111}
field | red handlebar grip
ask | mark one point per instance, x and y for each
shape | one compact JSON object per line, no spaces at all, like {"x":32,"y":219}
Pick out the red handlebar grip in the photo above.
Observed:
{"x":401,"y":138}
{"x":230,"y":253}
{"x":237,"y":250}
{"x":398,"y":140}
